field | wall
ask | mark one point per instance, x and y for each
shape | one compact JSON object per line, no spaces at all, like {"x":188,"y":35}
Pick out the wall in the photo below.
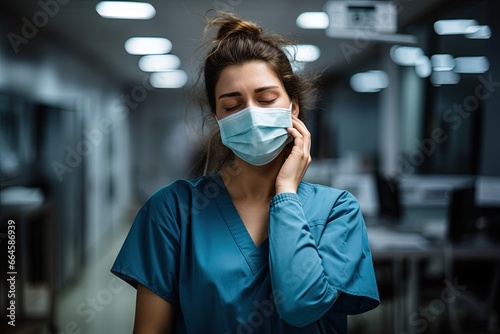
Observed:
{"x":164,"y":139}
{"x":352,"y":119}
{"x":490,"y":157}
{"x":78,"y":110}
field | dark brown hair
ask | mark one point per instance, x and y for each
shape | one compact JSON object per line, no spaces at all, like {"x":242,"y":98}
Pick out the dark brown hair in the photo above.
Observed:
{"x":236,"y":42}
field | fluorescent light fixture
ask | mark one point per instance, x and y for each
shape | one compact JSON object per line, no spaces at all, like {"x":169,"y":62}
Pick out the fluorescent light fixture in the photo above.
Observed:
{"x":147,"y":45}
{"x":478,"y":32}
{"x":471,"y":64}
{"x":125,"y":10}
{"x":442,"y":62}
{"x":369,"y":82}
{"x":453,"y":27}
{"x":423,"y":67}
{"x":444,"y":78}
{"x":159,"y":63}
{"x":405,"y":55}
{"x":170,"y":79}
{"x":303,"y":52}
{"x":313,"y":20}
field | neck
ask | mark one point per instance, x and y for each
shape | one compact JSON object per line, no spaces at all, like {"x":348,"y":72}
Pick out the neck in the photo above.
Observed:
{"x":245,"y":181}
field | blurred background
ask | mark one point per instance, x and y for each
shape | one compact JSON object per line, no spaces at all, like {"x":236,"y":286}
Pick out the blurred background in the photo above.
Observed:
{"x":94,"y":120}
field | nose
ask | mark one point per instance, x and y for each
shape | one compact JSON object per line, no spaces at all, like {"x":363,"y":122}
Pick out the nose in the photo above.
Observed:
{"x":250,"y":103}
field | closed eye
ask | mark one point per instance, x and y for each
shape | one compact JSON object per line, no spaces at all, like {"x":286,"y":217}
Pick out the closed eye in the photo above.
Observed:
{"x":268,"y":101}
{"x":229,"y":109}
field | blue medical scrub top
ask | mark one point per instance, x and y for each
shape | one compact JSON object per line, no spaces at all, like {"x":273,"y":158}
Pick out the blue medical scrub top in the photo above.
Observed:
{"x":189,"y":246}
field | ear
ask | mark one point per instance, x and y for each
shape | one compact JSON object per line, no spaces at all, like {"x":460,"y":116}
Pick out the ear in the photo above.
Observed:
{"x":295,"y":107}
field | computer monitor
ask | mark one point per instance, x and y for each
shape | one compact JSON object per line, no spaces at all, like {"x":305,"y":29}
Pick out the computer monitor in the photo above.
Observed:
{"x":388,"y":198}
{"x":488,"y":202}
{"x":462,"y":213}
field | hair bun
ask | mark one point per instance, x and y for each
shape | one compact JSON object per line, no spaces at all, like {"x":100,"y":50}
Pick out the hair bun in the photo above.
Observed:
{"x":230,"y":25}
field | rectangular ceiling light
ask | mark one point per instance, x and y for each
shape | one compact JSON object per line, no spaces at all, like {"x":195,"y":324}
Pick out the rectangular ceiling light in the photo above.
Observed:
{"x":453,"y":27}
{"x":442,"y":62}
{"x":471,"y":64}
{"x":369,"y":82}
{"x":170,"y":79}
{"x":313,"y":20}
{"x":125,"y":10}
{"x":405,"y":55}
{"x":159,"y":63}
{"x":147,"y":45}
{"x":478,"y":32}
{"x":303,"y":52}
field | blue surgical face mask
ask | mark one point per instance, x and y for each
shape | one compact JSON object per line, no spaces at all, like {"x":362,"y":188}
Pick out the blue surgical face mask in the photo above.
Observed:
{"x":257,"y":135}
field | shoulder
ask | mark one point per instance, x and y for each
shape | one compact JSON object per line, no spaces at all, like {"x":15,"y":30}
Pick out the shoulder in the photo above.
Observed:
{"x":312,"y":192}
{"x":180,"y":187}
{"x":326,"y":204}
{"x":179,"y":192}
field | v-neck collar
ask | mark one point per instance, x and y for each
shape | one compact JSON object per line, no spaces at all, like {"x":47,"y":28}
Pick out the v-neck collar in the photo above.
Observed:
{"x":255,"y":256}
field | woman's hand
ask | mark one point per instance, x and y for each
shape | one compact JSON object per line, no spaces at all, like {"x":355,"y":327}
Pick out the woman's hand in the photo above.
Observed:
{"x":297,"y":161}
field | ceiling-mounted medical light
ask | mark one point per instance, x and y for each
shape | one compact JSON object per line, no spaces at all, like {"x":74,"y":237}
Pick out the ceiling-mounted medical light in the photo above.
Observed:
{"x":478,"y":32}
{"x":170,"y":79}
{"x":147,"y":45}
{"x":369,"y":82}
{"x":442,"y":62}
{"x":423,"y":67}
{"x":444,"y":78}
{"x":453,"y":27}
{"x":303,"y":52}
{"x":125,"y":10}
{"x":313,"y":20}
{"x":471,"y":64}
{"x":405,"y":55}
{"x":159,"y":63}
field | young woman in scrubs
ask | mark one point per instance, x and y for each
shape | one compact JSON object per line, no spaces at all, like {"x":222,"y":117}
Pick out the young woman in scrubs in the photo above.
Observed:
{"x":250,"y":247}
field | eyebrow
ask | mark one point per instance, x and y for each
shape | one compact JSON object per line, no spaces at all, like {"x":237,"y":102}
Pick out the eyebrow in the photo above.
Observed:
{"x":257,"y":90}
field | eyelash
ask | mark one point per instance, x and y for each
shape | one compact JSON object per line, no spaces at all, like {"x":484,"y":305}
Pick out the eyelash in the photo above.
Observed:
{"x":232,"y":108}
{"x":269,"y":102}
{"x":262,"y":102}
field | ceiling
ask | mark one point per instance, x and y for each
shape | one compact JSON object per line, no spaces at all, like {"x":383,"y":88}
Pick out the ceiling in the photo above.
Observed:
{"x":77,"y":26}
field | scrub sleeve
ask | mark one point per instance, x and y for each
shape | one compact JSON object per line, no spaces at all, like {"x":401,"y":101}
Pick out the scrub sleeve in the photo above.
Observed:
{"x":150,"y":255}
{"x":309,"y":273}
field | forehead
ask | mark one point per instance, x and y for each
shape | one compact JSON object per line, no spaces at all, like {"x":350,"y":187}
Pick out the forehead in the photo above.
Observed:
{"x":247,"y":76}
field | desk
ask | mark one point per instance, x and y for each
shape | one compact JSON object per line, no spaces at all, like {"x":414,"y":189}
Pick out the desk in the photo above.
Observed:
{"x":408,"y":249}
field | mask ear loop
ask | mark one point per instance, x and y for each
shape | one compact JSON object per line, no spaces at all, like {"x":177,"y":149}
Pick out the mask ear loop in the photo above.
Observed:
{"x":208,"y":158}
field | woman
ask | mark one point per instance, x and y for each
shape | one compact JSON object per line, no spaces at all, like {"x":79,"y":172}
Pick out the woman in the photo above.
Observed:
{"x":250,"y":248}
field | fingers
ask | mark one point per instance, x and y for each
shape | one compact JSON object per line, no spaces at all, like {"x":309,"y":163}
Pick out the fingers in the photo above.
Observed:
{"x":301,"y":134}
{"x":301,"y":127}
{"x":297,"y":161}
{"x":302,"y":145}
